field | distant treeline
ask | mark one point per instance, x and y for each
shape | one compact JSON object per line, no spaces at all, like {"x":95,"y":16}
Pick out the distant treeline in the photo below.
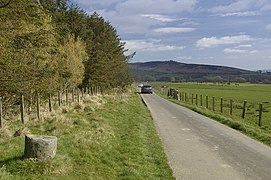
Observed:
{"x":49,"y":45}
{"x":144,"y":75}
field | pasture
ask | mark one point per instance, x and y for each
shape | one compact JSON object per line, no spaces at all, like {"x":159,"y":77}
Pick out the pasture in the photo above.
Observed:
{"x":251,"y":93}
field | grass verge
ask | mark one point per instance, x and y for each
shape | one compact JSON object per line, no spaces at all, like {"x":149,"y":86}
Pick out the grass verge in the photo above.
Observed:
{"x":259,"y":134}
{"x":107,"y":137}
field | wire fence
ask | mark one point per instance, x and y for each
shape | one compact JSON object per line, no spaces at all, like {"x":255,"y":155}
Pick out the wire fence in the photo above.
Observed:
{"x":253,"y":113}
{"x":24,"y":105}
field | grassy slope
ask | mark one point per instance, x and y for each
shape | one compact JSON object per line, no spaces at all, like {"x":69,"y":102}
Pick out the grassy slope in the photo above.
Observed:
{"x":109,"y":137}
{"x":251,"y":92}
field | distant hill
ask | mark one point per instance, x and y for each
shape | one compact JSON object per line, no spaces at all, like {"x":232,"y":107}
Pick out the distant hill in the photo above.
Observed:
{"x":177,"y":67}
{"x":176,"y":71}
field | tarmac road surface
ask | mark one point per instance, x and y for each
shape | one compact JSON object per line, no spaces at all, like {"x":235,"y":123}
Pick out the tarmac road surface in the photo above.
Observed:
{"x":200,"y":148}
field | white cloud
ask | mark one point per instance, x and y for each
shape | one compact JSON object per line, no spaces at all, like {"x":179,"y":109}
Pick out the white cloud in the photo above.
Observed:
{"x":233,"y":51}
{"x":240,"y":5}
{"x":268,"y":27}
{"x":238,"y":51}
{"x":243,"y":8}
{"x":149,"y":45}
{"x":159,"y":17}
{"x":130,"y":23}
{"x":214,"y":41}
{"x":140,"y":16}
{"x":174,"y":30}
{"x":244,"y":46}
{"x":247,"y":13}
{"x":156,"y":6}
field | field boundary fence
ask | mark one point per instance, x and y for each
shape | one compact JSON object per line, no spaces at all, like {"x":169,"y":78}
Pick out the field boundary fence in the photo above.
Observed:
{"x":24,"y":105}
{"x":228,"y":107}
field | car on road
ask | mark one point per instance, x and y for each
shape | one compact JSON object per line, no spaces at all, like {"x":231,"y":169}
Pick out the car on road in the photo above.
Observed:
{"x":146,"y":88}
{"x":140,"y":85}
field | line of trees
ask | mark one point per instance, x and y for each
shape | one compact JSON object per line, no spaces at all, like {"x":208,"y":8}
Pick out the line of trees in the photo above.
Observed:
{"x":49,"y":45}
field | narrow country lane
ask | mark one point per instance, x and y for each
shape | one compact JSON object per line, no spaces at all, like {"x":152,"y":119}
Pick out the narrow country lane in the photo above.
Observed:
{"x":200,"y":148}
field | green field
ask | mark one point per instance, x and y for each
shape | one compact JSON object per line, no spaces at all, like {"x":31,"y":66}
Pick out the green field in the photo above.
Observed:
{"x":106,"y":137}
{"x":238,"y":93}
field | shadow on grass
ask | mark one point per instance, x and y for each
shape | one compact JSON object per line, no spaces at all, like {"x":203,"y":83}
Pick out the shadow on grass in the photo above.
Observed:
{"x":11,"y":160}
{"x":22,"y":166}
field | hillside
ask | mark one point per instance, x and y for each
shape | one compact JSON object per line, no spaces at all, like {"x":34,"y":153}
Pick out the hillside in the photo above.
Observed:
{"x":176,"y":71}
{"x":176,"y":67}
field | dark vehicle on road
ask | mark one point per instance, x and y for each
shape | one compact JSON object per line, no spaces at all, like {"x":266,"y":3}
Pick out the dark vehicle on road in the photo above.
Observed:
{"x":146,"y":89}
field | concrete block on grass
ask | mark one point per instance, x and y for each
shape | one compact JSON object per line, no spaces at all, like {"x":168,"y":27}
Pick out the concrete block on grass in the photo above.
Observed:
{"x":40,"y":147}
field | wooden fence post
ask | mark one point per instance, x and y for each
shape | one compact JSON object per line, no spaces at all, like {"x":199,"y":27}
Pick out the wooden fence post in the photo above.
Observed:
{"x":213,"y":103}
{"x":59,"y":98}
{"x":50,"y":102}
{"x":179,"y":96}
{"x":244,"y":109}
{"x":78,"y":95}
{"x":221,"y":105}
{"x":67,"y":97}
{"x":1,"y":114}
{"x":87,"y":89}
{"x":30,"y":104}
{"x":192,"y":98}
{"x":102,"y":90}
{"x":92,"y":90}
{"x":207,"y":102}
{"x":22,"y":107}
{"x":231,"y":104}
{"x":82,"y":92}
{"x":196,"y":99}
{"x":38,"y":105}
{"x":73,"y":99}
{"x":260,"y":114}
{"x":200,"y":100}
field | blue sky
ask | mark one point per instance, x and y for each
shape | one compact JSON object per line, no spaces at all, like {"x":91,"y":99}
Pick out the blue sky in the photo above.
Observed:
{"x":234,"y":33}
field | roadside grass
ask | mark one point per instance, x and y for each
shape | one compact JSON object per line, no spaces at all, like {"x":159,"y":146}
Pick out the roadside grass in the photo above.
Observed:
{"x":106,"y":137}
{"x":261,"y":134}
